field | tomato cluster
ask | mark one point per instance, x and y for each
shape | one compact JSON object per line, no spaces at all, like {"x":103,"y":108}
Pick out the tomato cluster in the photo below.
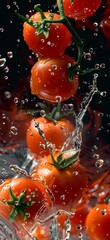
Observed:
{"x":59,"y":180}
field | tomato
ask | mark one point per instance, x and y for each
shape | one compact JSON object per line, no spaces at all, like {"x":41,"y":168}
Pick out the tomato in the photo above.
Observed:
{"x":77,"y":219}
{"x":105,"y":27}
{"x":98,"y":222}
{"x":80,"y":9}
{"x":55,"y":134}
{"x":49,"y":79}
{"x":66,"y":185}
{"x":34,"y":192}
{"x":54,"y":45}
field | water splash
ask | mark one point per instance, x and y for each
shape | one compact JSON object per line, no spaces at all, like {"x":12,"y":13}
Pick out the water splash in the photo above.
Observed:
{"x":74,"y":139}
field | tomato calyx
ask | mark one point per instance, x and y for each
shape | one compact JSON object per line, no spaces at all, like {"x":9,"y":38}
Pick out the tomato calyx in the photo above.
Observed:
{"x":52,"y":115}
{"x":19,"y":205}
{"x":65,"y":159}
{"x":43,"y":25}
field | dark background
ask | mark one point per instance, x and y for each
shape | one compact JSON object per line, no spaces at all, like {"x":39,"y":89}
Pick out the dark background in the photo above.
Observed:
{"x":15,"y":74}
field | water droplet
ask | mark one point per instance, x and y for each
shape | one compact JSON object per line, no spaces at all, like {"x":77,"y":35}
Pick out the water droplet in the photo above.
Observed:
{"x":102,"y":65}
{"x":54,"y":67}
{"x":103,"y":212}
{"x":16,"y":100}
{"x":1,"y":29}
{"x":2,"y":62}
{"x":97,"y":66}
{"x":79,"y":227}
{"x":3,"y":115}
{"x":48,"y":43}
{"x":62,"y":197}
{"x":87,"y":56}
{"x":10,"y":54}
{"x":103,"y":94}
{"x":95,"y":24}
{"x":14,"y":130}
{"x":58,"y":98}
{"x":99,"y":163}
{"x":6,"y":69}
{"x":96,"y":156}
{"x":42,"y":113}
{"x":7,"y":95}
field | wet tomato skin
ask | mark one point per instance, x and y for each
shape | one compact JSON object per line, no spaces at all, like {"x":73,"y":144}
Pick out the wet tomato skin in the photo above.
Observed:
{"x":66,"y":185}
{"x":50,"y":79}
{"x":55,"y":134}
{"x":35,"y":192}
{"x":80,"y":9}
{"x":98,"y":223}
{"x":54,"y":45}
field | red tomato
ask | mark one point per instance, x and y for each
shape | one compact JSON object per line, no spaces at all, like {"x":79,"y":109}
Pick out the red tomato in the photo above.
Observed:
{"x":35,"y":192}
{"x":66,"y":185}
{"x":55,"y":44}
{"x":77,"y":220}
{"x":80,"y":9}
{"x":49,"y":79}
{"x":55,"y":134}
{"x":98,"y":223}
{"x":105,"y":27}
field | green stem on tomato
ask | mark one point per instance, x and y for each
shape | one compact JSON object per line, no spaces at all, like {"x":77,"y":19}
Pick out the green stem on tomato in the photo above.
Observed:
{"x":62,"y":161}
{"x":37,"y":9}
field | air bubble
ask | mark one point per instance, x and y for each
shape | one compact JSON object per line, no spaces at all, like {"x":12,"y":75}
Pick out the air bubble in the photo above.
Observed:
{"x":1,"y":29}
{"x":62,"y":197}
{"x":103,"y":94}
{"x":103,"y":212}
{"x":3,"y":115}
{"x":96,"y":156}
{"x":42,"y":113}
{"x":2,"y":62}
{"x":15,"y":100}
{"x":10,"y":54}
{"x":6,"y":69}
{"x":87,"y":56}
{"x":99,"y":163}
{"x":58,"y":98}
{"x":14,"y":130}
{"x":7,"y":95}
{"x":102,"y":65}
{"x":54,"y":67}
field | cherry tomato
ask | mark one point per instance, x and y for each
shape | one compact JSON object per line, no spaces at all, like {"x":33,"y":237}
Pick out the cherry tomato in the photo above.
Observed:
{"x":54,"y":45}
{"x":77,"y":219}
{"x":49,"y":79}
{"x":105,"y":27}
{"x":80,"y":9}
{"x":66,"y":185}
{"x":97,"y":222}
{"x":55,"y":134}
{"x":34,"y":193}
